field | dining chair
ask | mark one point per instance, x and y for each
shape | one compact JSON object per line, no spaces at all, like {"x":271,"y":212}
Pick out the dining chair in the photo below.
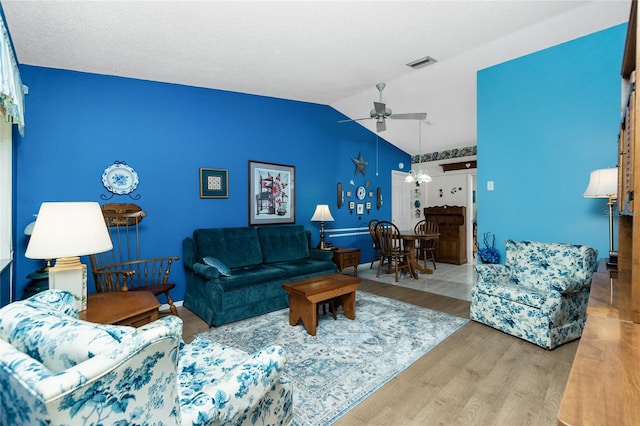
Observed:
{"x":426,"y":249}
{"x":376,"y":243}
{"x":391,"y":248}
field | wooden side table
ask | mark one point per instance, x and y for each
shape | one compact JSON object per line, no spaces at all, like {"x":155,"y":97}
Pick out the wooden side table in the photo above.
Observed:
{"x":345,"y":257}
{"x":132,"y":308}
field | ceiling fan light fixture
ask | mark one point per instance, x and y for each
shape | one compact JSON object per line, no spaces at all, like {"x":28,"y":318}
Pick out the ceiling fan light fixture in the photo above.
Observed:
{"x":422,"y":62}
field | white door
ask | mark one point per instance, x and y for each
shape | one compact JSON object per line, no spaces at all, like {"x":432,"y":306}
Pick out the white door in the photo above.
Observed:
{"x":401,"y":208}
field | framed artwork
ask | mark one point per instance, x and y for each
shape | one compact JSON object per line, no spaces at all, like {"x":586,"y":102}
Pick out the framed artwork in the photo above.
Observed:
{"x":360,"y":209}
{"x":272,"y":197}
{"x":214,"y":183}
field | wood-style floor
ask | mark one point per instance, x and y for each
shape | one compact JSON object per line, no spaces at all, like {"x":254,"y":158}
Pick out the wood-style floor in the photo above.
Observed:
{"x":477,"y":376}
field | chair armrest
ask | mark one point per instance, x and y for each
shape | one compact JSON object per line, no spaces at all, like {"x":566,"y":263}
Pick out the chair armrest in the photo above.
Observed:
{"x":321,"y":254}
{"x":57,"y":300}
{"x":567,"y":285}
{"x":492,"y":273}
{"x":244,"y":385}
{"x":112,"y":280}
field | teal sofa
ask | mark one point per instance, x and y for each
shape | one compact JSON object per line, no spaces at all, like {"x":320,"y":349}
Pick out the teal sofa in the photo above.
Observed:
{"x":258,"y":259}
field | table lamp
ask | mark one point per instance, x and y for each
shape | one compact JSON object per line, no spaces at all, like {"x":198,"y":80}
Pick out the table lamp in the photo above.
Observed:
{"x":604,"y":184}
{"x":322,"y":215}
{"x":66,"y":231}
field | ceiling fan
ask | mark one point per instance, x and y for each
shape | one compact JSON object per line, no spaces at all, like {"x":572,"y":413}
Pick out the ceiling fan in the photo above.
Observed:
{"x":380,"y":113}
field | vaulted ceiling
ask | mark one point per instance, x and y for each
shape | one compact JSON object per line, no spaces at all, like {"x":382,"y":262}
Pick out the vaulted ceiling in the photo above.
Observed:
{"x":327,"y":52}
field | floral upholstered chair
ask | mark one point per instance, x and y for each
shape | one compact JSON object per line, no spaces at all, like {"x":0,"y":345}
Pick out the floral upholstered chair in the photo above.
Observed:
{"x":540,"y":294}
{"x":57,"y":369}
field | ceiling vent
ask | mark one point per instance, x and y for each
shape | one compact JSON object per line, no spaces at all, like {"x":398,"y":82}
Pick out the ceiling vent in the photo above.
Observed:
{"x":422,"y":62}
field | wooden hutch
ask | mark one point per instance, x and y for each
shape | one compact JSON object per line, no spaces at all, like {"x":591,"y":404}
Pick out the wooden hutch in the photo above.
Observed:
{"x":604,"y":383}
{"x":452,"y":224}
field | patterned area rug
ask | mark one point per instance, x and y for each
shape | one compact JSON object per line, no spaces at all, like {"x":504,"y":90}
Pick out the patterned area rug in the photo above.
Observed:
{"x":347,"y":360}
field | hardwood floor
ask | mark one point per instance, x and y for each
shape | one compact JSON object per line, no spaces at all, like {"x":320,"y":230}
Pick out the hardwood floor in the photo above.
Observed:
{"x":478,"y":376}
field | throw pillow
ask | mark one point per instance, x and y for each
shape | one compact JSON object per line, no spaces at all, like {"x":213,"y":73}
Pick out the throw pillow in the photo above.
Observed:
{"x":216,"y":263}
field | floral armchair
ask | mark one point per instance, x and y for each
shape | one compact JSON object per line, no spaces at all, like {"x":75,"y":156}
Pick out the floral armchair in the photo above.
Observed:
{"x":540,"y":294}
{"x":57,"y":369}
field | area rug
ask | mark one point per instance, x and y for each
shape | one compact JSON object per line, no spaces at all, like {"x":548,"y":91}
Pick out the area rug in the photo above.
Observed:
{"x":347,"y":360}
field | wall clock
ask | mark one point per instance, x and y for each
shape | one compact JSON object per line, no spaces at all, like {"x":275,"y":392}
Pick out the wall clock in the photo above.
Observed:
{"x":362,"y":192}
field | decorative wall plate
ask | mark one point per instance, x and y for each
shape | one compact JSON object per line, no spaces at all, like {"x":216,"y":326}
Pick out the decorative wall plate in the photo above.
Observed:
{"x":120,"y":178}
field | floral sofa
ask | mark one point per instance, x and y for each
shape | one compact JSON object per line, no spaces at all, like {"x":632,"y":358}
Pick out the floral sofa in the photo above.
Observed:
{"x":250,"y":266}
{"x":57,"y":369}
{"x":540,"y":294}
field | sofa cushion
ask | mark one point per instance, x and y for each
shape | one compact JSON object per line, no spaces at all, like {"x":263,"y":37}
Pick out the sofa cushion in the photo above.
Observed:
{"x":235,"y":247}
{"x":56,"y":340}
{"x":306,"y":266}
{"x":283,"y":243}
{"x":216,"y":263}
{"x":250,"y":276}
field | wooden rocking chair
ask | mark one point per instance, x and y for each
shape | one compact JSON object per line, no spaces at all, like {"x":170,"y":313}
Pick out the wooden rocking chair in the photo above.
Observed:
{"x":122,"y":269}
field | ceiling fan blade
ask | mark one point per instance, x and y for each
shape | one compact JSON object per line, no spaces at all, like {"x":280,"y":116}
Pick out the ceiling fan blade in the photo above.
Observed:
{"x":355,"y":119}
{"x":410,"y":116}
{"x":381,"y":126}
{"x":379,"y":107}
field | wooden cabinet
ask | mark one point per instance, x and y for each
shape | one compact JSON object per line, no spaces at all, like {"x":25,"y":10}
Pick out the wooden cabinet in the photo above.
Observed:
{"x":604,"y":383}
{"x":452,"y":243}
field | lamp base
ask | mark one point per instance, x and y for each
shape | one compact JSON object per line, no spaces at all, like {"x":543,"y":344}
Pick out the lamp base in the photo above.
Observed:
{"x":70,"y":275}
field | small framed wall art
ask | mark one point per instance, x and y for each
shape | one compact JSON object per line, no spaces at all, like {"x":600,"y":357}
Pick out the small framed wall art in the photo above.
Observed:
{"x":214,"y":183}
{"x":271,"y":193}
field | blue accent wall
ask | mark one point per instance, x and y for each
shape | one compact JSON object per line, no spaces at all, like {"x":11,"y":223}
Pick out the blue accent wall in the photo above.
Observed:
{"x":545,"y":121}
{"x":78,"y":124}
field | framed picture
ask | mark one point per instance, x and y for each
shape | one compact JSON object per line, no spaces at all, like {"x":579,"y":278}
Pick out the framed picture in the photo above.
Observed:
{"x":348,"y":194}
{"x":352,"y":205}
{"x":272,"y":197}
{"x":214,"y":183}
{"x":360,"y":209}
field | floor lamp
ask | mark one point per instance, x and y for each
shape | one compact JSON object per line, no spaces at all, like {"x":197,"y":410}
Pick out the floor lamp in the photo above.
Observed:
{"x":604,"y":184}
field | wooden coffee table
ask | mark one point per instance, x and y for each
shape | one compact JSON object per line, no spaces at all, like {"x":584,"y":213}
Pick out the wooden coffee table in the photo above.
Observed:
{"x":132,"y":308}
{"x":304,"y":296}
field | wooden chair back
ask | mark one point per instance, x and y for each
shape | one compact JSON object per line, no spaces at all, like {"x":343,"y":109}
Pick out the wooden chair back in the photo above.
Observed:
{"x":389,"y":238}
{"x":123,"y":268}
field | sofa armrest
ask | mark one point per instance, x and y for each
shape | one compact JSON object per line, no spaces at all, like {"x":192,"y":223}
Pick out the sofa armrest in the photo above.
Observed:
{"x":490,"y":273}
{"x":244,"y":385}
{"x":205,"y":271}
{"x":321,"y":254}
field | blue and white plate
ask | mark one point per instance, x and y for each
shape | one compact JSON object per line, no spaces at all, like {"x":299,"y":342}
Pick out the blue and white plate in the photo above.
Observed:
{"x":120,"y":178}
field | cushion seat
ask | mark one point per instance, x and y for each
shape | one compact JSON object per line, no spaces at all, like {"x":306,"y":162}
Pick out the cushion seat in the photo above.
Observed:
{"x":250,"y":276}
{"x":515,"y":293}
{"x":299,"y":267}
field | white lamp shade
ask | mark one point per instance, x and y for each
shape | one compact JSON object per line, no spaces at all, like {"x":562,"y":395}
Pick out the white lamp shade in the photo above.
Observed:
{"x":603,"y":184}
{"x":322,"y":214}
{"x":67,"y":230}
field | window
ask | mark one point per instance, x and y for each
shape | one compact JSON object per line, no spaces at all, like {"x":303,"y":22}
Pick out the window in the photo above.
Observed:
{"x":6,"y":254}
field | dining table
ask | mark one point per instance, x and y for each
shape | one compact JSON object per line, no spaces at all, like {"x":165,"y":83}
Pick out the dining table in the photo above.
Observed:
{"x":409,"y":239}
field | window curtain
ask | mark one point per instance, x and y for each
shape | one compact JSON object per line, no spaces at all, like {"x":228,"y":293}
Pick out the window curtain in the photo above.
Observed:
{"x":11,"y":90}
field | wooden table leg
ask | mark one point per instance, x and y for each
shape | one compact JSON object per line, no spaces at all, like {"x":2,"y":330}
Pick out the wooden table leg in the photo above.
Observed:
{"x":414,"y":265}
{"x":348,"y":302}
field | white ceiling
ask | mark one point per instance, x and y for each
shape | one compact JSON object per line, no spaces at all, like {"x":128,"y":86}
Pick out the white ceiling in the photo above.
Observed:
{"x":326,"y":52}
